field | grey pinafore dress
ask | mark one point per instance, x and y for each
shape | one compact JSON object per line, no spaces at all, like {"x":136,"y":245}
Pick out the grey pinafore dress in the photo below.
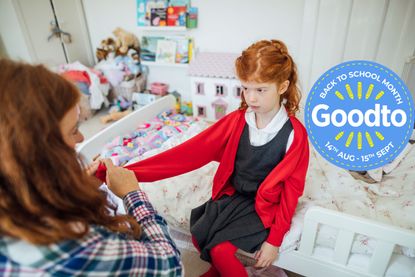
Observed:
{"x":233,"y":218}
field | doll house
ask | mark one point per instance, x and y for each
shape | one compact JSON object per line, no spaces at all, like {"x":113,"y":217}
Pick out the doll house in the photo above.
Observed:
{"x":215,"y":91}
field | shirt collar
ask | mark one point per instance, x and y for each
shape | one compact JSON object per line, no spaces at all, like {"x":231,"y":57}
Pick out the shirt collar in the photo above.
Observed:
{"x":273,"y":126}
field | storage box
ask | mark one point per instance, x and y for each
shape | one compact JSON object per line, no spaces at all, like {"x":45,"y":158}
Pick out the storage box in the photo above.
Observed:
{"x":142,"y":99}
{"x":125,"y":89}
{"x":159,"y":88}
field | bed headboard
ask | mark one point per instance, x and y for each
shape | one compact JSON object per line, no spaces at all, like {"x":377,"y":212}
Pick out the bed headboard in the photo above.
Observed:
{"x":93,"y":146}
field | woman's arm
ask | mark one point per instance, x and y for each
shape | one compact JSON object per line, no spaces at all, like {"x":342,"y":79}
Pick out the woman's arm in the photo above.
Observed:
{"x":115,"y":255}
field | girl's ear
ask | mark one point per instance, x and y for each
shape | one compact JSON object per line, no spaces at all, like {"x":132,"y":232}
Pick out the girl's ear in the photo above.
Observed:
{"x":283,"y":87}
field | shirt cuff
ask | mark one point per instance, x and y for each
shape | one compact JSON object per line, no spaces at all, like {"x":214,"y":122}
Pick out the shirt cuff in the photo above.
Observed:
{"x":137,"y":204}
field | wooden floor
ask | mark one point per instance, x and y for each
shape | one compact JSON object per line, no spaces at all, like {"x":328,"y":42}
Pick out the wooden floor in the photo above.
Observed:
{"x":195,"y":267}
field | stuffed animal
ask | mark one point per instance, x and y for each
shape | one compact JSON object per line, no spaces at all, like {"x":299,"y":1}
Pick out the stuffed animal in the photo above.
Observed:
{"x":114,"y":116}
{"x":125,"y":41}
{"x":106,"y":47}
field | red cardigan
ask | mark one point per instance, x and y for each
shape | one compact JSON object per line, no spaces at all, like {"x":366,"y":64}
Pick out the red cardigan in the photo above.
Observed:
{"x":277,"y":196}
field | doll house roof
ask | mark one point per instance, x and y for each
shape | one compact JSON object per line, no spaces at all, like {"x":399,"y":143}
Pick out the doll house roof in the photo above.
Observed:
{"x":213,"y":65}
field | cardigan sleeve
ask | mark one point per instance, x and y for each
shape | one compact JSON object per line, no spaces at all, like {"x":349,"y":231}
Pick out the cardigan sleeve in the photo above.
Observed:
{"x":291,"y":190}
{"x":205,"y":147}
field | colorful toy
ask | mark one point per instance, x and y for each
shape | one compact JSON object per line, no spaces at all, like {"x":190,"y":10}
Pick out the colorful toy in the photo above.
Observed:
{"x":187,"y":108}
{"x":125,"y":41}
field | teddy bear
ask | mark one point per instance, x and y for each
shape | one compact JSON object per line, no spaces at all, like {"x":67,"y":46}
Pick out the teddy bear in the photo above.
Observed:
{"x":125,"y":41}
{"x":106,"y":47}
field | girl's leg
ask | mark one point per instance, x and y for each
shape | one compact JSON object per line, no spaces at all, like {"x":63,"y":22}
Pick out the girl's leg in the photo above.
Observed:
{"x":212,"y":272}
{"x":224,"y":260}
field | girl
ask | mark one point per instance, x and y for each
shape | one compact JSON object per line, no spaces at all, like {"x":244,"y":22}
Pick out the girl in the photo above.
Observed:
{"x":263,"y":154}
{"x":54,"y":221}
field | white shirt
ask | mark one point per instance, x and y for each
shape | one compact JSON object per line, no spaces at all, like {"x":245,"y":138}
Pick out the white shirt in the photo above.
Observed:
{"x":259,"y":137}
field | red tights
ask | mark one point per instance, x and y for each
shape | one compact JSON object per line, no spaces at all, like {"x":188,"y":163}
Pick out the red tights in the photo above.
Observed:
{"x":224,"y":262}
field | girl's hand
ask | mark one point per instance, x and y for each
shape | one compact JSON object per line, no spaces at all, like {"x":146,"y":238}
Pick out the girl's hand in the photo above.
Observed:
{"x":266,"y":255}
{"x":119,"y":180}
{"x":93,"y":167}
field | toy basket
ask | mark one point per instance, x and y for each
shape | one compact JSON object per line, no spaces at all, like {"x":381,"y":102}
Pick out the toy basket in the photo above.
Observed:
{"x":141,"y":82}
{"x":125,"y":89}
{"x":85,"y":111}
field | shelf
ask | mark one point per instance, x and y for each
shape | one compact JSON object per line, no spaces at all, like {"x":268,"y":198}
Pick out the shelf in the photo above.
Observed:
{"x":182,"y":65}
{"x":163,"y":28}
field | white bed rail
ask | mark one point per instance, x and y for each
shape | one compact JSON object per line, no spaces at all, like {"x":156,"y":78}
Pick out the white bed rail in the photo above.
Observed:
{"x":93,"y":146}
{"x":387,"y":237}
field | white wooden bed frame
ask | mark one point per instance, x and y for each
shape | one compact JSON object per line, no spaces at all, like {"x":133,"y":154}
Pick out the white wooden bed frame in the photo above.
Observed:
{"x":302,"y":261}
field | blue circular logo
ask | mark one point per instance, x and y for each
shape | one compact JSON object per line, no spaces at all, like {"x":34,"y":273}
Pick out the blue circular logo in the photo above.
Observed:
{"x":359,"y":115}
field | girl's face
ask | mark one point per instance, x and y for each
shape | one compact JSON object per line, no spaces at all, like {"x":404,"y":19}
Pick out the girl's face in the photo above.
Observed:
{"x":263,"y":97}
{"x":69,"y":127}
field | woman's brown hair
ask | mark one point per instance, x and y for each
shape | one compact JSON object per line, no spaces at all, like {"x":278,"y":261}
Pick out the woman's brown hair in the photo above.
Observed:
{"x":268,"y":61}
{"x":45,"y":195}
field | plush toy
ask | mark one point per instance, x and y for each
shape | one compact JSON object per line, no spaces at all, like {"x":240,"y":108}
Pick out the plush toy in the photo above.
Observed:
{"x":106,"y":47}
{"x":125,"y":41}
{"x":114,"y":116}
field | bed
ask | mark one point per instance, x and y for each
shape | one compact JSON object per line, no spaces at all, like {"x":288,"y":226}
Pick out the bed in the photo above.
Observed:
{"x":342,"y":226}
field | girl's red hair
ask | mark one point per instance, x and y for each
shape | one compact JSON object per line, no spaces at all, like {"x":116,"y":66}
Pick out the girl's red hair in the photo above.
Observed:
{"x":268,"y":61}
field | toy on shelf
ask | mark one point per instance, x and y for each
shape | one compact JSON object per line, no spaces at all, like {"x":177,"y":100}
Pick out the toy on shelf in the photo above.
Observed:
{"x":125,"y":41}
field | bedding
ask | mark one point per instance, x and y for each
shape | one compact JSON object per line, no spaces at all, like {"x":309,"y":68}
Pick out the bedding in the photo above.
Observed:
{"x":391,"y":201}
{"x":147,"y":136}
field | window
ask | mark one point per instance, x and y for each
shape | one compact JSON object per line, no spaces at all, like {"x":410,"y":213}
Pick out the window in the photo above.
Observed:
{"x":201,"y":111}
{"x":200,"y":88}
{"x":220,"y":90}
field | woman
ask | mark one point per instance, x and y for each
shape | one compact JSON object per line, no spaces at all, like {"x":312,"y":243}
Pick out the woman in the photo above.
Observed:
{"x":53,"y":218}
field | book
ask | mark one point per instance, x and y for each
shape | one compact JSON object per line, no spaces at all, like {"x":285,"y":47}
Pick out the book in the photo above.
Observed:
{"x":158,"y":17}
{"x":141,"y":13}
{"x":166,"y":51}
{"x":149,"y":47}
{"x":182,"y":51}
{"x":176,"y":16}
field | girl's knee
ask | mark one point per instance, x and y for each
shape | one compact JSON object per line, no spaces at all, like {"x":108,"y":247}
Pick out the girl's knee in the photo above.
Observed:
{"x":223,"y":248}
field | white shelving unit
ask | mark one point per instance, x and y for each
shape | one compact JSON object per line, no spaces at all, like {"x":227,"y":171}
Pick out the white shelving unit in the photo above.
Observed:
{"x":163,"y":28}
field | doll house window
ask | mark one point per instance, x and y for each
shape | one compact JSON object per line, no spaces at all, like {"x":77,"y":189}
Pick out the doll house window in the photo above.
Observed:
{"x":201,"y":111}
{"x":238,"y":91}
{"x":220,"y":90}
{"x":200,"y":88}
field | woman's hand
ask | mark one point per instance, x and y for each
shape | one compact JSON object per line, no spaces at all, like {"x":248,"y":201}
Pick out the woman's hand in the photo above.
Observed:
{"x":119,"y":180}
{"x":267,"y":255}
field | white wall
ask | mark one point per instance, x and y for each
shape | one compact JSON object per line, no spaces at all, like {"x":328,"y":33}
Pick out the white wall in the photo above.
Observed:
{"x":11,"y":33}
{"x":223,"y":26}
{"x":319,"y":33}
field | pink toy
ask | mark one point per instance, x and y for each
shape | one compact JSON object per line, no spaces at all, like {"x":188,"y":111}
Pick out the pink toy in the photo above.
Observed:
{"x":159,"y":88}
